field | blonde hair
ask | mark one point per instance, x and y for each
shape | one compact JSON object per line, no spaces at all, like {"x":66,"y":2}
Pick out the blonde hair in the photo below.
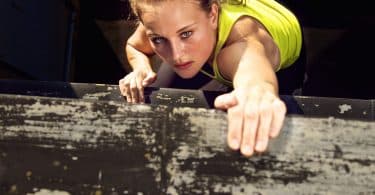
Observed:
{"x":204,"y":4}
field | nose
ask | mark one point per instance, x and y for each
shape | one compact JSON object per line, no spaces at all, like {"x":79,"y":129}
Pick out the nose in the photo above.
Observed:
{"x":177,"y":51}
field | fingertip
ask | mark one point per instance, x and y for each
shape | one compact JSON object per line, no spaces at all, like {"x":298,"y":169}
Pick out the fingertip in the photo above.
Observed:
{"x":225,"y":101}
{"x":218,"y":103}
{"x":247,"y":151}
{"x":148,"y":81}
{"x":142,"y":96}
{"x":234,"y":144}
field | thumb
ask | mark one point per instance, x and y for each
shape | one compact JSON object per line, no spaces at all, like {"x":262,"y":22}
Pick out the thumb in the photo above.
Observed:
{"x":225,"y":101}
{"x":150,"y":78}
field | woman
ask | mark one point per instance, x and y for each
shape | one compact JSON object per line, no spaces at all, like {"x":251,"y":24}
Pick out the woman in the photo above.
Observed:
{"x":244,"y":43}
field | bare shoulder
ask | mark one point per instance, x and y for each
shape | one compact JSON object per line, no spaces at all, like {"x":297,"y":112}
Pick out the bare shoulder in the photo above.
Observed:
{"x":244,"y":28}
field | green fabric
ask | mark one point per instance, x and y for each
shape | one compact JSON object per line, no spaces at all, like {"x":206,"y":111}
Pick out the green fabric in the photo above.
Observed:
{"x":278,"y":20}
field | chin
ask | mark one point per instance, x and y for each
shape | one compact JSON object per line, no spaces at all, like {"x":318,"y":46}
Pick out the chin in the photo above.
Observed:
{"x":186,"y":75}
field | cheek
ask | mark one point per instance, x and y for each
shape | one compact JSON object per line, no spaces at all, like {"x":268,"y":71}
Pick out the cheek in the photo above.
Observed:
{"x":203,"y":44}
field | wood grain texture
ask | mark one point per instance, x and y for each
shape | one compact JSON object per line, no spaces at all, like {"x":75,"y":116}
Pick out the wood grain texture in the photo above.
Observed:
{"x":83,"y":147}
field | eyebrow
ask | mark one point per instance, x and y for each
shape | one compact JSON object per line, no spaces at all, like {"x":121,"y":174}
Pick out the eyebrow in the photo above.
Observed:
{"x":178,"y":31}
{"x":185,"y":27}
{"x":152,"y":35}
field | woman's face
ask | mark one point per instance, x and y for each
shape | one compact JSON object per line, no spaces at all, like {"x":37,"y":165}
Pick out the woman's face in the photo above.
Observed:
{"x":181,"y":33}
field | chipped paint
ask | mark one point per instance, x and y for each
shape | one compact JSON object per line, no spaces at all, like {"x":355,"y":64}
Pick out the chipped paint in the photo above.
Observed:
{"x":96,"y":96}
{"x":344,"y":108}
{"x":48,"y":192}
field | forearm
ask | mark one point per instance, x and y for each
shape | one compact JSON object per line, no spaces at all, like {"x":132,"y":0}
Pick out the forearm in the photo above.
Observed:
{"x":138,"y":49}
{"x":137,"y":59}
{"x":256,"y":67}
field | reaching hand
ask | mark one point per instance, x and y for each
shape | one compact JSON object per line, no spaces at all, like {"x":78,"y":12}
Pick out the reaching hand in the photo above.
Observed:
{"x":254,"y":115}
{"x":132,"y":85}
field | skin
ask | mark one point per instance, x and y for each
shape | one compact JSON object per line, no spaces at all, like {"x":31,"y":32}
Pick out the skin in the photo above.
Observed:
{"x":175,"y":32}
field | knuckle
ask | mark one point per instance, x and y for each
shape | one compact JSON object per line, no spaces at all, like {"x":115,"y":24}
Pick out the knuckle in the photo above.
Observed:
{"x":133,"y":87}
{"x":262,"y":133}
{"x":234,"y":112}
{"x":251,"y":114}
{"x":126,"y":83}
{"x":234,"y":129}
{"x":246,"y":141}
{"x":122,"y":82}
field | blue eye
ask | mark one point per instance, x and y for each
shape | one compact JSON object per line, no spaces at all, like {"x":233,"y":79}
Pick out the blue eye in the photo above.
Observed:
{"x":157,"y":40}
{"x":186,"y":34}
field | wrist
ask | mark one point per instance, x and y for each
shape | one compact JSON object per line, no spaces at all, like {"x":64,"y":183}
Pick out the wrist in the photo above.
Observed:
{"x":270,"y":86}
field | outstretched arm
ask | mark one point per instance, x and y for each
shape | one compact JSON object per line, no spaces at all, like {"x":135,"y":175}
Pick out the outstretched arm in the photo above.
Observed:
{"x":255,"y":112}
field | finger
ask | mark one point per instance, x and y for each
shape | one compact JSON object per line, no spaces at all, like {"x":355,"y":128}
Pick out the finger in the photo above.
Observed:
{"x":266,"y":113}
{"x":121,"y":86}
{"x":251,"y":120}
{"x":151,"y":77}
{"x":278,"y":118}
{"x":139,"y":86}
{"x":234,"y":127}
{"x":134,"y":91}
{"x":225,"y":101}
{"x":124,"y":88}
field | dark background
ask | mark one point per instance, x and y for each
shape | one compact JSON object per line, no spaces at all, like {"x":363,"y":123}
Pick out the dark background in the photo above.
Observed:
{"x":83,"y":41}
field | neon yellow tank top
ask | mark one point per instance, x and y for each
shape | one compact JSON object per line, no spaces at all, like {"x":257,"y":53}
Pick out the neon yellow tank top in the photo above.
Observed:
{"x":278,"y":20}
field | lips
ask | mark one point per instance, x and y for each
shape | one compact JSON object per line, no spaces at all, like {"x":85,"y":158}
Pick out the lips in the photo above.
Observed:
{"x":184,"y":65}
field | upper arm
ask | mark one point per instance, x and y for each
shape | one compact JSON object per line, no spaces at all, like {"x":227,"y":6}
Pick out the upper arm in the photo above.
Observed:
{"x":139,"y":41}
{"x":247,"y":39}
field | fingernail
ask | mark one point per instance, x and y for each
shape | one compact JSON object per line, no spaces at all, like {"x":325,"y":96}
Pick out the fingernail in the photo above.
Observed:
{"x":234,"y":144}
{"x":247,"y":150}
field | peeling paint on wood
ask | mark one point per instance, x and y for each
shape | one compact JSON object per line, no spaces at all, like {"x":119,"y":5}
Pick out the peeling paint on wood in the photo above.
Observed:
{"x":87,"y":147}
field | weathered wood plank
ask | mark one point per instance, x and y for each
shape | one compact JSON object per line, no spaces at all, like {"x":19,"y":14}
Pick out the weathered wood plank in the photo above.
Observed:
{"x":85,"y":147}
{"x":78,"y":146}
{"x":308,"y":106}
{"x":311,"y":156}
